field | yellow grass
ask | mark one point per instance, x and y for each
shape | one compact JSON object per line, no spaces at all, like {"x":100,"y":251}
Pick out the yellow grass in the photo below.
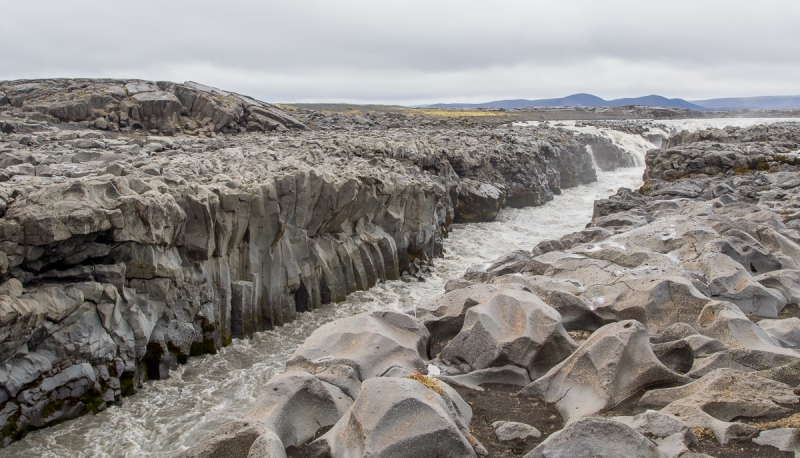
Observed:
{"x":788,"y":422}
{"x":285,"y":107}
{"x":452,"y":113}
{"x":429,"y":382}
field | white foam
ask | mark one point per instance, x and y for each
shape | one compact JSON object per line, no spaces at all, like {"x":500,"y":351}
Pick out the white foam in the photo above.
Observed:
{"x":692,"y":125}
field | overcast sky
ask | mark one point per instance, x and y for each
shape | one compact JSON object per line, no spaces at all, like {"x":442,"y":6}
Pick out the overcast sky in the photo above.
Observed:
{"x":413,"y":52}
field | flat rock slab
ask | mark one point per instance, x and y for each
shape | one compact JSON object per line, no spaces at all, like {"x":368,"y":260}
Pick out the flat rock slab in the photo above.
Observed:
{"x":506,"y":375}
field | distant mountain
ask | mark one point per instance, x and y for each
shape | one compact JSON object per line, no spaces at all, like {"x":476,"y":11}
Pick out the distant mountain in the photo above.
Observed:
{"x":739,"y":103}
{"x":655,"y":101}
{"x":577,"y":100}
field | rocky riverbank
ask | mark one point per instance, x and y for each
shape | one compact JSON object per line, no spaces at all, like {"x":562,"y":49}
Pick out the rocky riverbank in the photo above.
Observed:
{"x":668,"y":327}
{"x":144,"y":223}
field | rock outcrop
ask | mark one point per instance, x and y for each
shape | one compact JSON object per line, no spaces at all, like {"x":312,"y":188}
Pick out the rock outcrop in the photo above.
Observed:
{"x":122,"y":255}
{"x":721,"y":396}
{"x":724,"y":151}
{"x":152,"y":107}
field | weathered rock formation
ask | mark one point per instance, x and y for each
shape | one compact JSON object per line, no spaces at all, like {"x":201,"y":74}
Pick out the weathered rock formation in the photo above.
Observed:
{"x":730,"y":151}
{"x":131,"y":105}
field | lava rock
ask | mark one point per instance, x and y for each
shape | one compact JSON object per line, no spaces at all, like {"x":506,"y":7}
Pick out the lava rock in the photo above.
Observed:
{"x":614,"y":363}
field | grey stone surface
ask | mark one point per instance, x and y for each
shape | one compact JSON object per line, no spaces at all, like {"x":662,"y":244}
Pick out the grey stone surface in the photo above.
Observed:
{"x":726,"y":322}
{"x":370,"y":343}
{"x":511,"y":328}
{"x":671,"y":435}
{"x":784,"y":439}
{"x":786,"y":330}
{"x":231,"y":440}
{"x":295,"y":405}
{"x":506,"y":375}
{"x":614,"y":363}
{"x":433,"y":425}
{"x":444,"y":315}
{"x":596,"y":437}
{"x":719,"y":397}
{"x":267,"y":445}
{"x":511,"y":430}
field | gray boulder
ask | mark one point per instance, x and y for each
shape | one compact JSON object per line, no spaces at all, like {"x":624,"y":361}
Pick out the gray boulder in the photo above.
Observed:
{"x":477,"y":202}
{"x":730,"y":281}
{"x":511,"y":430}
{"x":444,"y":315}
{"x":11,"y":287}
{"x":786,"y":281}
{"x":786,"y":330}
{"x":721,"y":360}
{"x":231,"y":440}
{"x":671,"y":435}
{"x":726,"y":322}
{"x":787,"y":373}
{"x":677,"y":355}
{"x":295,"y":405}
{"x":267,"y":445}
{"x":432,"y":425}
{"x":596,"y":437}
{"x":512,"y":327}
{"x":784,"y":439}
{"x":370,"y":343}
{"x":614,"y":363}
{"x":506,"y":375}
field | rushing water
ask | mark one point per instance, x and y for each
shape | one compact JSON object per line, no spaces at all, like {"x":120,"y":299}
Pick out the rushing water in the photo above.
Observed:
{"x":167,"y":416}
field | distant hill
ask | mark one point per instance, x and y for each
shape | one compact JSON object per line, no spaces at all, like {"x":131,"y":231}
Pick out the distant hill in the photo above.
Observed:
{"x":739,"y":103}
{"x":577,"y":100}
{"x":589,"y":100}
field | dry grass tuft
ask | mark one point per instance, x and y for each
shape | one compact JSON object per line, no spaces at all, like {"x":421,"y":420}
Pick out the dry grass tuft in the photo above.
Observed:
{"x":792,"y":421}
{"x":429,"y":382}
{"x":703,"y":433}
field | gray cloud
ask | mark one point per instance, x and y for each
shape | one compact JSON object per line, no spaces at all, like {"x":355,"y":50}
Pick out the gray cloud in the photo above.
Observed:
{"x":415,"y":51}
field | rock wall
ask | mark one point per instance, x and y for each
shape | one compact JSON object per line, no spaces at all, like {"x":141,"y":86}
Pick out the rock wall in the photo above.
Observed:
{"x":777,"y":132}
{"x":730,"y":151}
{"x":121,"y":256}
{"x":131,"y":105}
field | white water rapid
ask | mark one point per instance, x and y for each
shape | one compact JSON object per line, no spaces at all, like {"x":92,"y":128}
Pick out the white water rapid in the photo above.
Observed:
{"x":167,"y":416}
